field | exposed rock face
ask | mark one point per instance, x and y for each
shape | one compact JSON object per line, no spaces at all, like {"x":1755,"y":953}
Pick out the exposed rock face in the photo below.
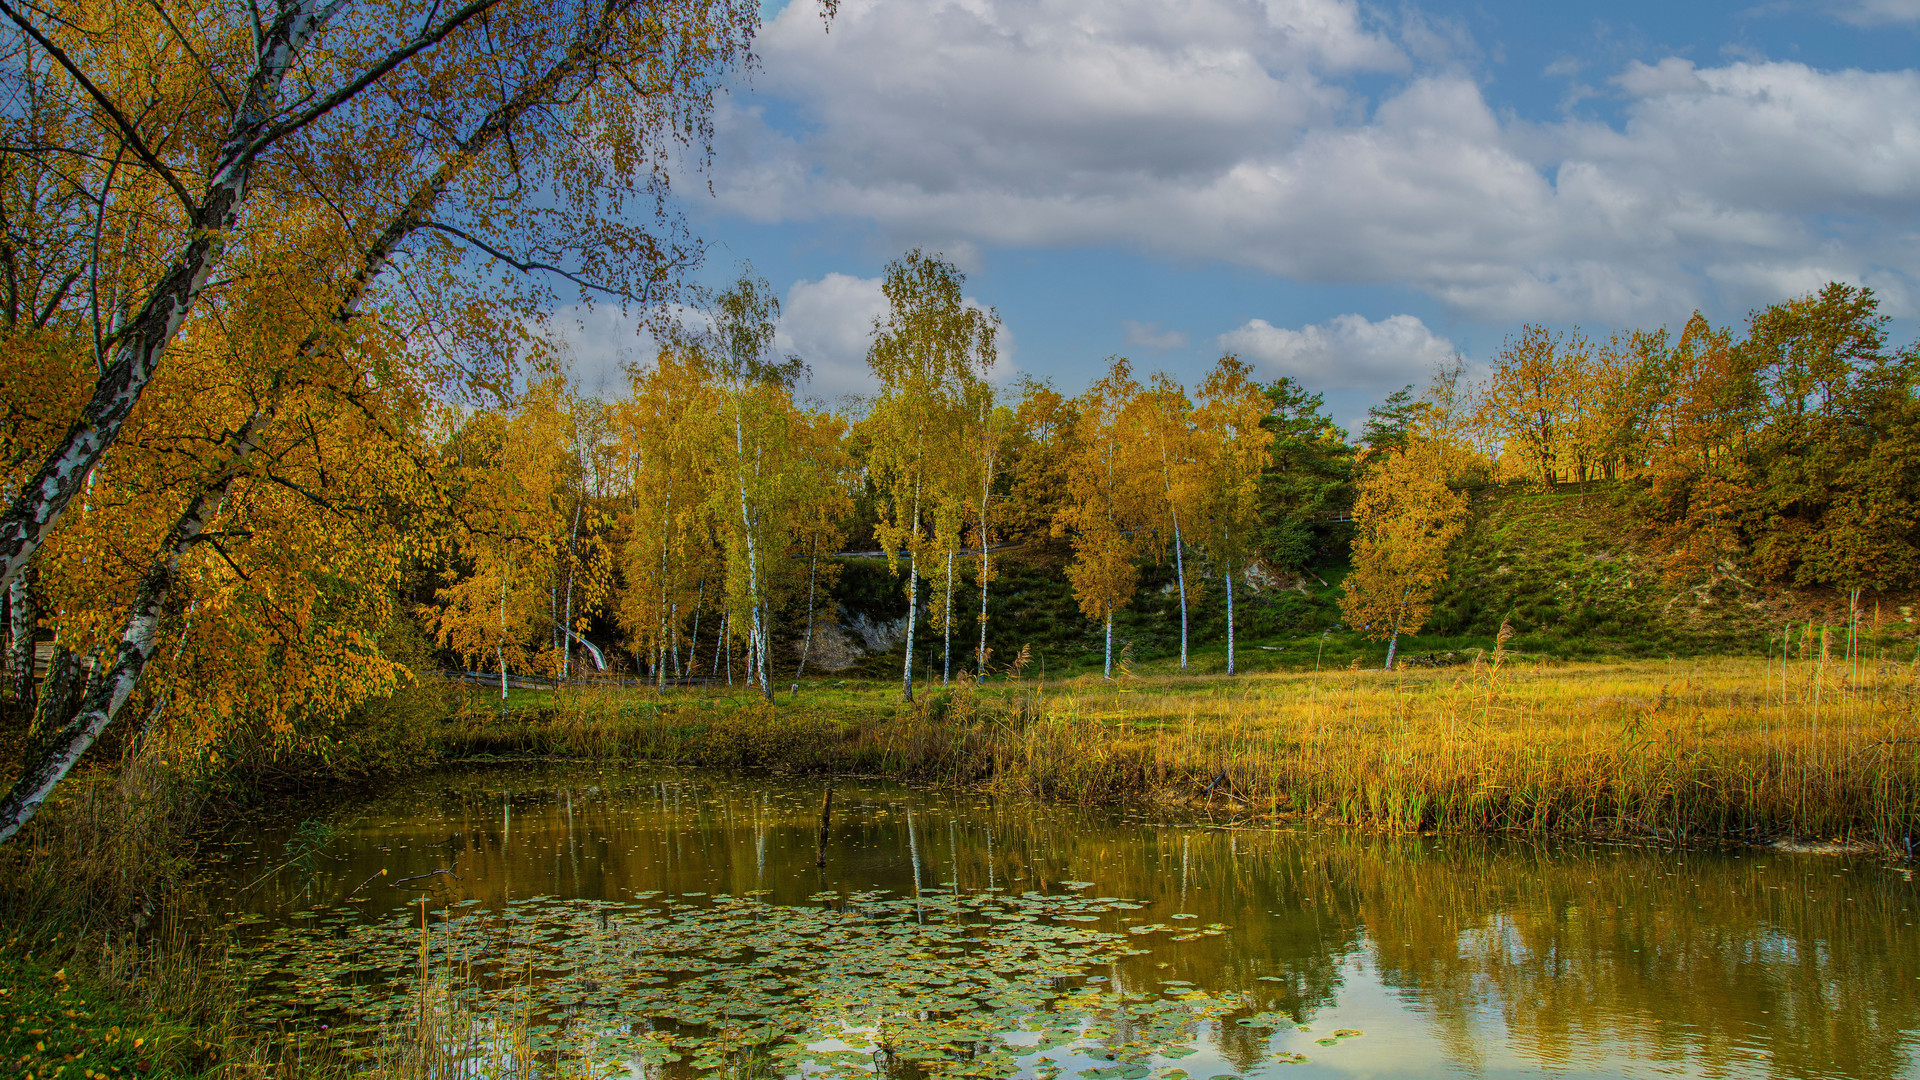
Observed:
{"x":879,"y":635}
{"x":834,"y":649}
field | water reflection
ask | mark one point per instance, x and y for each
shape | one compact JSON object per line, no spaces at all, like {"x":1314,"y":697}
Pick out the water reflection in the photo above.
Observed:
{"x":1448,"y":954}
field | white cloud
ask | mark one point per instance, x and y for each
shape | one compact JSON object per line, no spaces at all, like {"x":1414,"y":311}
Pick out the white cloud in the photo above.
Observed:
{"x":829,"y":323}
{"x":1880,"y":12}
{"x":1232,"y":130}
{"x":1347,"y":352}
{"x":1149,"y":336}
{"x":598,"y":344}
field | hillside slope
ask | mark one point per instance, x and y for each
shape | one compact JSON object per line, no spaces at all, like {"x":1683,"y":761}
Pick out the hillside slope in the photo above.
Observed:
{"x":1568,"y":569}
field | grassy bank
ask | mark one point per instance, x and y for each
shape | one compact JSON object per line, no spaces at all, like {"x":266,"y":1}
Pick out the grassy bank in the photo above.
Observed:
{"x":1747,"y":749}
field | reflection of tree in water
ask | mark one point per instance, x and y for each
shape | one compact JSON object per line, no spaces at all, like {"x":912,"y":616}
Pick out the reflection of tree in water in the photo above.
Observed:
{"x":1582,"y":954}
{"x":1654,"y":956}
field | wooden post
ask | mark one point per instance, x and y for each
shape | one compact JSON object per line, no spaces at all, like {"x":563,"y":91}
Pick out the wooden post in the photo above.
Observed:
{"x":826,"y":819}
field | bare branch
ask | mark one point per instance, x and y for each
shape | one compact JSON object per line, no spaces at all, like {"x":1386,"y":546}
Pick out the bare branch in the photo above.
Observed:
{"x":367,"y":78}
{"x":59,"y":294}
{"x":127,"y":129}
{"x":527,"y":266}
{"x":187,"y":45}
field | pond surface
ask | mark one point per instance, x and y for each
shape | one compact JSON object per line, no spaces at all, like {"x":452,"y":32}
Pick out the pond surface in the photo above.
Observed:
{"x":674,"y":923}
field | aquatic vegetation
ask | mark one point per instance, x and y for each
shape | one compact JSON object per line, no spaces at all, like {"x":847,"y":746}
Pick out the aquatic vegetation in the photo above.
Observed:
{"x":963,"y":984}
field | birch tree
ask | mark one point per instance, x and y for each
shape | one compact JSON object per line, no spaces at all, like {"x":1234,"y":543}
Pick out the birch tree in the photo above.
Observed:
{"x":1405,"y":518}
{"x":664,"y":431}
{"x":1108,"y":503}
{"x":756,"y":443}
{"x":927,"y":349}
{"x":1232,"y":452}
{"x":995,"y":423}
{"x":202,"y":122}
{"x":409,"y":178}
{"x":1161,"y":421}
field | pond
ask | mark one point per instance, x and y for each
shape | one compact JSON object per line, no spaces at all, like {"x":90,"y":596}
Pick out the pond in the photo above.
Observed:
{"x":677,"y":923}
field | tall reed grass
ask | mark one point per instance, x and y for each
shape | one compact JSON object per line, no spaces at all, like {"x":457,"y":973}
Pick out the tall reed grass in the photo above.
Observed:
{"x":1749,"y":749}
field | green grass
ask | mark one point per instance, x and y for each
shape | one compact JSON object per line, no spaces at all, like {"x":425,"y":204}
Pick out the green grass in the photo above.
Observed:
{"x":68,"y":1023}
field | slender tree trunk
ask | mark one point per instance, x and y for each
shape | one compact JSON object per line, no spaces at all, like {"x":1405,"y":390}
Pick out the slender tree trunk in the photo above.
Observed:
{"x":980,"y":658}
{"x":1108,"y":671}
{"x":1229,"y":575}
{"x":913,"y":596}
{"x":913,"y":608}
{"x":666,"y":543}
{"x":573,"y":567}
{"x":693,"y":647}
{"x":55,"y":753}
{"x":946,"y":645}
{"x":813,"y":560}
{"x":766,"y":654}
{"x":501,"y":648}
{"x":755,"y":629}
{"x":1180,"y":571}
{"x":24,"y":619}
{"x":986,"y":542}
{"x":1393,"y":639}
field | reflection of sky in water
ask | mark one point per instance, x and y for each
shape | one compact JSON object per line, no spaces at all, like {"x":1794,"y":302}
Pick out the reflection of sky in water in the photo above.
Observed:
{"x":1447,"y":956}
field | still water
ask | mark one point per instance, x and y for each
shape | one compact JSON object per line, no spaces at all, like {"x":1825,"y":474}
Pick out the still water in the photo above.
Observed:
{"x":674,"y":923}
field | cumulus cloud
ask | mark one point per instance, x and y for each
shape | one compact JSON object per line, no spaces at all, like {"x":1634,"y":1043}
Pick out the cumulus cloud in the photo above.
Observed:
{"x":1347,"y":352}
{"x":1234,"y":130}
{"x":1149,"y":336}
{"x":829,"y":323}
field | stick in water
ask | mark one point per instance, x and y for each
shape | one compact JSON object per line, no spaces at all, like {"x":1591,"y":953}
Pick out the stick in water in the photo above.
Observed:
{"x":826,"y":818}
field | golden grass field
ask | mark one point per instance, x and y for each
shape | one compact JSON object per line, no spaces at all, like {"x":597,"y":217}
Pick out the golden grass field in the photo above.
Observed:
{"x":1747,"y":749}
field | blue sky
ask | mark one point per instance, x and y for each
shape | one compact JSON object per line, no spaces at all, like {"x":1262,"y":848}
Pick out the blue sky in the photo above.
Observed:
{"x":1340,"y":191}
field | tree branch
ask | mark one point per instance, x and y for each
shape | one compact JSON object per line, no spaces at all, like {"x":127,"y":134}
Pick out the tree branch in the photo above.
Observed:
{"x":367,"y":78}
{"x":527,"y":266}
{"x":100,"y":98}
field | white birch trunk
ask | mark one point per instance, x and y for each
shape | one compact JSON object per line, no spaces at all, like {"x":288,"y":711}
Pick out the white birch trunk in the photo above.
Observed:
{"x":913,"y":594}
{"x":806,"y":647}
{"x":21,"y":616}
{"x":58,"y":749}
{"x":986,"y":542}
{"x":41,"y":501}
{"x":756,"y":632}
{"x":946,"y":646}
{"x":1180,"y":572}
{"x":913,"y":608}
{"x":1229,"y":575}
{"x":1108,"y":672}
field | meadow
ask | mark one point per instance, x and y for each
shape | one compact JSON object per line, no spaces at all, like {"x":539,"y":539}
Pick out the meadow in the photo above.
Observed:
{"x":1730,"y":749}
